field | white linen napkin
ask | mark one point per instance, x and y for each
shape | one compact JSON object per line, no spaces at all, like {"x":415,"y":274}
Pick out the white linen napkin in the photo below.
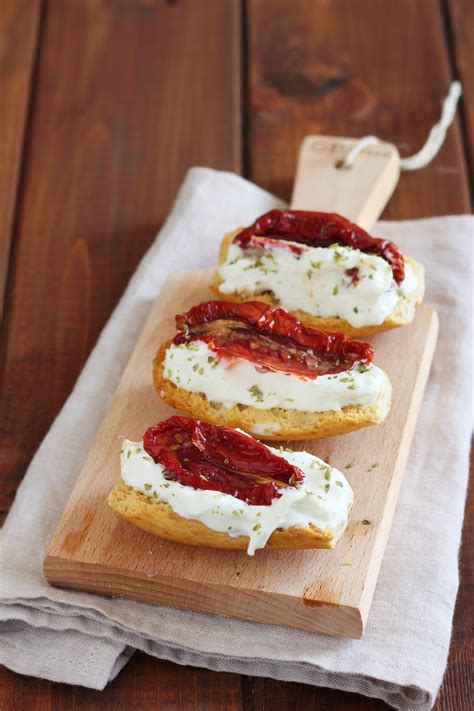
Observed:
{"x":80,"y":638}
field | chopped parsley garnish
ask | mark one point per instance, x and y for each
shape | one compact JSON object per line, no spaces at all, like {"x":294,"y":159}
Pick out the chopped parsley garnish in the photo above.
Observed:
{"x":256,"y":393}
{"x":316,"y":265}
{"x":335,"y":290}
{"x":327,"y":487}
{"x":339,"y":483}
{"x":355,"y":310}
{"x":257,"y":527}
{"x":339,"y":257}
{"x":269,"y":255}
{"x":362,"y":367}
{"x":147,"y":486}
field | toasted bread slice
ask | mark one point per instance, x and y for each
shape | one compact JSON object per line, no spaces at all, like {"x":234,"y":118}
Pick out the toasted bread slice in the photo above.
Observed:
{"x":402,"y":315}
{"x":158,"y":518}
{"x":275,"y":424}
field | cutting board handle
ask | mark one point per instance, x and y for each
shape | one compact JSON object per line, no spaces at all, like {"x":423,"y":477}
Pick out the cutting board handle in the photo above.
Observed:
{"x":359,"y":193}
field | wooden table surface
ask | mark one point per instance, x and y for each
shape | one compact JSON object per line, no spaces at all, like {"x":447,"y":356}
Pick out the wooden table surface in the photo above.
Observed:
{"x":105,"y":104}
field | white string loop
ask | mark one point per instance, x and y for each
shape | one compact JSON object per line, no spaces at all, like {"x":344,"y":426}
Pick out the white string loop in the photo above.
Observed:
{"x":432,"y":145}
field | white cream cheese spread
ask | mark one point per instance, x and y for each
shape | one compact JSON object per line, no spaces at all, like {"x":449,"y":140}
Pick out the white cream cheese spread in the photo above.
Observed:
{"x":316,"y":280}
{"x":194,"y":367}
{"x":323,"y":498}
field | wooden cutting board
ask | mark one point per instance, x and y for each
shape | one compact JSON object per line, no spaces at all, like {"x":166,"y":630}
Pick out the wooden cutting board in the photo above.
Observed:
{"x":327,"y":591}
{"x":323,"y":590}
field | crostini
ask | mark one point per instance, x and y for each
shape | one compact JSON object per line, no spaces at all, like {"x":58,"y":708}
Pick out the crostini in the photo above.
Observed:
{"x":196,"y":483}
{"x":257,"y":367}
{"x":325,"y":270}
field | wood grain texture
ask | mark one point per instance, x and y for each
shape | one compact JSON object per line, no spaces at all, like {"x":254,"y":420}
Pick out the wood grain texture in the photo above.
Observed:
{"x":19,"y":31}
{"x":121,"y":112}
{"x":352,"y":69}
{"x":323,"y":591}
{"x":457,"y":691}
{"x":148,"y":684}
{"x":360,"y":192}
{"x":151,"y":683}
{"x":460,"y":14}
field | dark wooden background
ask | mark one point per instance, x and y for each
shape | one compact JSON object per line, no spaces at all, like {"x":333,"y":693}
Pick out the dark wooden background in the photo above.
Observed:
{"x":104,"y":104}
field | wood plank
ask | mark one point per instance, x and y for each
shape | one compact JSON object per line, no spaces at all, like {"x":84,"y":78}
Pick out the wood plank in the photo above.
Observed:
{"x":128,"y":96}
{"x":93,"y":549}
{"x":271,"y":694}
{"x":456,"y":692}
{"x":461,"y":18}
{"x":339,"y":68}
{"x":146,"y":683}
{"x":19,"y":30}
{"x":360,"y":193}
{"x":112,"y":136}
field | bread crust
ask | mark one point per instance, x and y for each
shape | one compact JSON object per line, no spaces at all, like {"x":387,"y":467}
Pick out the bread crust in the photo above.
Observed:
{"x":157,"y":517}
{"x":402,"y":315}
{"x":275,"y":424}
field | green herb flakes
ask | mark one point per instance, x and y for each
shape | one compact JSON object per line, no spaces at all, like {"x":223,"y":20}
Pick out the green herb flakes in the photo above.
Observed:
{"x":339,"y":256}
{"x":256,"y":393}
